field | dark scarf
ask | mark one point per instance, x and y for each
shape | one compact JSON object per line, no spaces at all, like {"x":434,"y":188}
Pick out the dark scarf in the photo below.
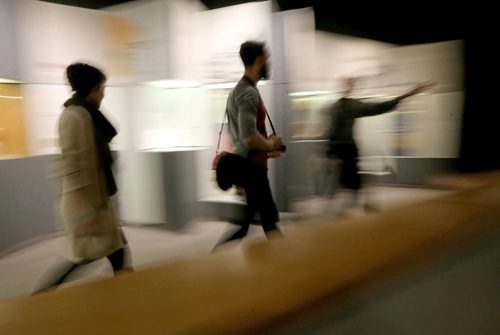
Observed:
{"x":104,"y":133}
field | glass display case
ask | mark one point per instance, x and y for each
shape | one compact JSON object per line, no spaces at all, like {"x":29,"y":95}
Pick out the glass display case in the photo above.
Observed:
{"x":13,"y":142}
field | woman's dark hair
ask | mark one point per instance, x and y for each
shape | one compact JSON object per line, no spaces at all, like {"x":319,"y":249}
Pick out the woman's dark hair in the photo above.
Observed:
{"x":249,"y":51}
{"x":83,"y":77}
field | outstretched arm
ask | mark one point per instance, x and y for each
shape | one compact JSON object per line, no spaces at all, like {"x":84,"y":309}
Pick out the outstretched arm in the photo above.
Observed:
{"x":361,"y":109}
{"x":419,"y":88}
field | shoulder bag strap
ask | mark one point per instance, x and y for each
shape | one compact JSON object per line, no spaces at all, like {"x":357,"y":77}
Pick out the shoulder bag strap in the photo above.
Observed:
{"x":220,"y":132}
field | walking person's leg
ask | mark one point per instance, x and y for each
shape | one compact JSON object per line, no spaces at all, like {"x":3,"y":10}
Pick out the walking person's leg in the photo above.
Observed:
{"x":116,"y":259}
{"x":244,"y":225}
{"x":252,"y":195}
{"x":349,"y":176}
{"x":260,"y":197}
{"x":120,"y":260}
{"x":55,"y":276}
{"x":236,"y":234}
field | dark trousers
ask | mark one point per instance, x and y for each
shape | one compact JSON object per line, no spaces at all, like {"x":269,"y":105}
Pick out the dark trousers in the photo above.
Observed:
{"x":259,"y":200}
{"x":348,"y":154}
{"x":58,"y":274}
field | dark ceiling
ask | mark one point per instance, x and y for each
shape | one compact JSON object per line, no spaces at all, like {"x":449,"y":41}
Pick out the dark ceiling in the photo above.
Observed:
{"x":387,"y":23}
{"x":395,"y":23}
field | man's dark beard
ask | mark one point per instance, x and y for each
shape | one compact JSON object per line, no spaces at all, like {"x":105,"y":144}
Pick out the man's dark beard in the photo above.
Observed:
{"x":264,"y":72}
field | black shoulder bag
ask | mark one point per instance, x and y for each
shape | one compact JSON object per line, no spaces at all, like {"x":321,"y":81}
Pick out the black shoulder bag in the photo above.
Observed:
{"x":230,"y":169}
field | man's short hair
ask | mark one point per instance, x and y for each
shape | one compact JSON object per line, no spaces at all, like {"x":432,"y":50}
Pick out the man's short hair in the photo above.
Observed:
{"x":250,"y":50}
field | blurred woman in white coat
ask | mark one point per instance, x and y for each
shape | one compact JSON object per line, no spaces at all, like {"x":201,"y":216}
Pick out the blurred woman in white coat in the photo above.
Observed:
{"x":87,"y":177}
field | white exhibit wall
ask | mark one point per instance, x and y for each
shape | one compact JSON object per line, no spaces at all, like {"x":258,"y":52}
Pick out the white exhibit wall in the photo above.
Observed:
{"x":8,"y":40}
{"x":53,"y":36}
{"x":171,"y":118}
{"x":441,"y":62}
{"x":339,"y":56}
{"x":115,"y":107}
{"x":161,"y":39}
{"x":186,"y":46}
{"x":300,"y":47}
{"x":141,"y":185}
{"x":43,"y":104}
{"x":145,"y":42}
{"x":224,"y":30}
{"x":424,"y":126}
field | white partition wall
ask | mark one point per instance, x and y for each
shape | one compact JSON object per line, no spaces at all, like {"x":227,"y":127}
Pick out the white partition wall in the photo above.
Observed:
{"x":161,"y":41}
{"x":427,"y":125}
{"x":43,"y":106}
{"x":53,"y":36}
{"x":141,"y":192}
{"x":146,"y":41}
{"x":8,"y":40}
{"x":340,"y":55}
{"x":223,"y":32}
{"x":299,"y":44}
{"x":186,"y":45}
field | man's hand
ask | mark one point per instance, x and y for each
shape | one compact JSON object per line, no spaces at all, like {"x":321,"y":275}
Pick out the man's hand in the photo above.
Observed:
{"x":419,"y":88}
{"x":277,"y":143}
{"x":274,"y":154}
